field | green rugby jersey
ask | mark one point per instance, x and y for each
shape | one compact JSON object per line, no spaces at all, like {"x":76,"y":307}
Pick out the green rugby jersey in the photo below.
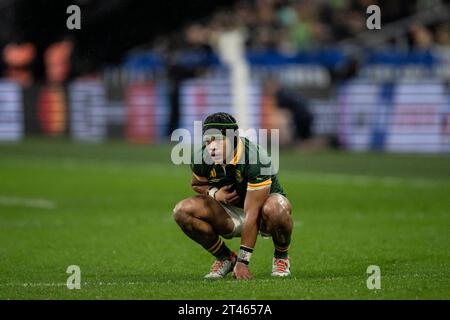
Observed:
{"x":242,"y":173}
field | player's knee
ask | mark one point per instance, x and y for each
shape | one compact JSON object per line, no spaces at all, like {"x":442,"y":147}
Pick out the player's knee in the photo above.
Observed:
{"x":179,"y":216}
{"x":276,"y":211}
{"x":187,"y":208}
{"x":183,"y":210}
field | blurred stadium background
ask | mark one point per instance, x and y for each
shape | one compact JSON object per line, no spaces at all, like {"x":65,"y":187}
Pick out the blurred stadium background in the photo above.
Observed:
{"x":310,"y":68}
{"x":86,"y":117}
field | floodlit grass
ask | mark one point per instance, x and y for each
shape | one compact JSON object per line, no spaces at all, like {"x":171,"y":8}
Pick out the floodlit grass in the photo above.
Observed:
{"x":108,"y":209}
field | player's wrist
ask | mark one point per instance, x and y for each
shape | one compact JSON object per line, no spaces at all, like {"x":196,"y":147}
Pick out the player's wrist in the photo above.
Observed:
{"x":212,"y":192}
{"x":245,"y":253}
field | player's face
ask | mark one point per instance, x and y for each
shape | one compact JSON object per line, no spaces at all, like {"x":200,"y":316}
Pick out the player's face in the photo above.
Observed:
{"x":216,"y":145}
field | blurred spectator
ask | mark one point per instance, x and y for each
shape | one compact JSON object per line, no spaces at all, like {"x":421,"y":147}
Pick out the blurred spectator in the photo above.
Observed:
{"x":306,"y":29}
{"x":57,"y":61}
{"x":19,"y":58}
{"x":297,"y":107}
{"x":265,"y":12}
{"x":421,"y":37}
{"x":345,"y":18}
{"x":443,"y":34}
{"x":188,"y":56}
{"x":347,"y":70}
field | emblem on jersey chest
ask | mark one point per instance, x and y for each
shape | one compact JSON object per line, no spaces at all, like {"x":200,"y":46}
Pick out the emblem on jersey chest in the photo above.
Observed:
{"x":239,"y":176}
{"x":213,"y":173}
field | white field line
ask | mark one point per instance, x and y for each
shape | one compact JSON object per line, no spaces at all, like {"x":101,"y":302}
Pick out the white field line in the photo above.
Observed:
{"x":61,"y":284}
{"x":27,"y":202}
{"x":106,"y":283}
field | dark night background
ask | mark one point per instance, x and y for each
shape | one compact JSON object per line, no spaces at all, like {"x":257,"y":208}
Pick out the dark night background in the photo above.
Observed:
{"x":108,"y":28}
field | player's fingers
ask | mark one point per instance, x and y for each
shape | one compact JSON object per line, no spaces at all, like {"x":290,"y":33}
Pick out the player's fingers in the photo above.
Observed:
{"x":231,"y":194}
{"x":237,"y":197}
{"x":234,"y":200}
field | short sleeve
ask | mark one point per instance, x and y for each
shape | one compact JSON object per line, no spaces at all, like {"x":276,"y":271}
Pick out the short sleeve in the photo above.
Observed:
{"x":258,"y":168}
{"x":256,"y":180}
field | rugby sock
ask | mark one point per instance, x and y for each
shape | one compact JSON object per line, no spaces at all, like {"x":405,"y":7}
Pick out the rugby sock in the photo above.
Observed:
{"x":219,"y":249}
{"x":281,"y":252}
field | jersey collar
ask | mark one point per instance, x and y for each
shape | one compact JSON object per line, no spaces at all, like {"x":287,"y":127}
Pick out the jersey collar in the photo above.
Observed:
{"x":239,"y":151}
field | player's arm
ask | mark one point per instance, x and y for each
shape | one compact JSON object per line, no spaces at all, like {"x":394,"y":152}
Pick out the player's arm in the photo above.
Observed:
{"x":199,"y":184}
{"x":253,"y":204}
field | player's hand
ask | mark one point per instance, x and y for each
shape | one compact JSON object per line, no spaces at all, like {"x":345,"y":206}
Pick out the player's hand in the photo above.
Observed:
{"x":241,"y":271}
{"x":226,"y":196}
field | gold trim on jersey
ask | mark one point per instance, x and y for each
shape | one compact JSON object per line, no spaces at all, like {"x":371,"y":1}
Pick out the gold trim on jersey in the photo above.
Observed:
{"x":260,"y":185}
{"x":239,"y":152}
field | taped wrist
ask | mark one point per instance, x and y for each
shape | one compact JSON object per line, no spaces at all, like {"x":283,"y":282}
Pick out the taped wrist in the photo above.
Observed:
{"x":245,"y":254}
{"x":212,"y":192}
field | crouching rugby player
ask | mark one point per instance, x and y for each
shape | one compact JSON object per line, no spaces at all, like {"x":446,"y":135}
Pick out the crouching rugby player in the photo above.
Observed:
{"x":236,"y":198}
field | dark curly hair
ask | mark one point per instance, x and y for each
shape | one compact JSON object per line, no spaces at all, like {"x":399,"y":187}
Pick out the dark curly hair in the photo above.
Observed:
{"x":219,"y":120}
{"x":222,"y":121}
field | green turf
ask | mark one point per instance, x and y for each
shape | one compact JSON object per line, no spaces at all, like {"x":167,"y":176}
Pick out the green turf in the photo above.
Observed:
{"x":113,"y":219}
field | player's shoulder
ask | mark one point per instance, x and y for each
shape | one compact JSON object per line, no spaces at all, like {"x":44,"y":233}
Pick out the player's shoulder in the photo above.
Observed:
{"x":198,"y":165}
{"x":255,"y":153}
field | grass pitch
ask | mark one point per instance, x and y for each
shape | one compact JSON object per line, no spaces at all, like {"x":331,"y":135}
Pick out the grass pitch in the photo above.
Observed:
{"x":107,"y":208}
